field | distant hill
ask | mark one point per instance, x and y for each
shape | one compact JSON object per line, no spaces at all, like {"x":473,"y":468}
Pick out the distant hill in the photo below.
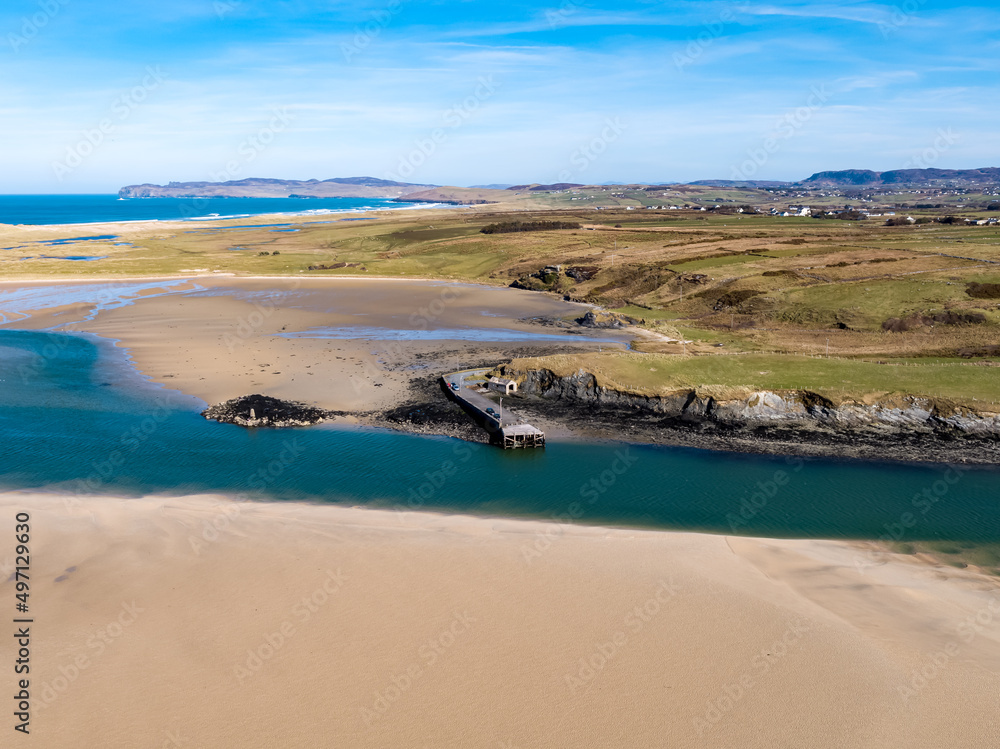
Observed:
{"x":535,"y":187}
{"x":752,"y":184}
{"x":866,"y":177}
{"x":458,"y":196}
{"x":372,"y":187}
{"x":845,"y":177}
{"x":256,"y":187}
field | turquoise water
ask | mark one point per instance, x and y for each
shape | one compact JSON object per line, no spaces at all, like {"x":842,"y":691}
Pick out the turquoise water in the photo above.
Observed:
{"x":75,"y":417}
{"x":86,"y":209}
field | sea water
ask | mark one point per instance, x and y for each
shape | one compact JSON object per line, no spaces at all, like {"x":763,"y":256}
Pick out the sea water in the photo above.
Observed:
{"x":89,"y":209}
{"x":75,"y":417}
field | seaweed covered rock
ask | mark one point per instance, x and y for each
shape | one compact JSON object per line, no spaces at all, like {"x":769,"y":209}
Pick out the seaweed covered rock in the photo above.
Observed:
{"x":263,"y":411}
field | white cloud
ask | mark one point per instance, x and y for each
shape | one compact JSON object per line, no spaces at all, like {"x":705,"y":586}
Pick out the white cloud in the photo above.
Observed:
{"x":869,"y":14}
{"x":875,"y":80}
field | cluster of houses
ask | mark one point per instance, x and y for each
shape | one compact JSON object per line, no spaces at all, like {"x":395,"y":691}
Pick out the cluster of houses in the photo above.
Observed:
{"x":674,"y":208}
{"x":788,"y":212}
{"x":805,"y":210}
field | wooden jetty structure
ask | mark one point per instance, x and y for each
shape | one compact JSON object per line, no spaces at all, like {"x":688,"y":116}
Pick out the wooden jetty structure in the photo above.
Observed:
{"x":505,"y":428}
{"x":522,"y":435}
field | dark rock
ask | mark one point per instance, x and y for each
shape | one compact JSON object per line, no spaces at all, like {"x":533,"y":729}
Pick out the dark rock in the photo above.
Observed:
{"x":606,"y":320}
{"x":734,"y":298}
{"x":696,"y":278}
{"x":897,"y":325}
{"x":793,"y":423}
{"x":581,"y":273}
{"x":984,"y":351}
{"x":263,"y":411}
{"x":983,"y":290}
{"x":529,"y":283}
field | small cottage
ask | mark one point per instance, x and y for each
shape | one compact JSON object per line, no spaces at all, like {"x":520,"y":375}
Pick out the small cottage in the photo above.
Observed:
{"x":502,"y":385}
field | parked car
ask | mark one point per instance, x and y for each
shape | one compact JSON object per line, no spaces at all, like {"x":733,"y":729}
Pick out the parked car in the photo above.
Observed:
{"x":454,"y":386}
{"x":491,"y":412}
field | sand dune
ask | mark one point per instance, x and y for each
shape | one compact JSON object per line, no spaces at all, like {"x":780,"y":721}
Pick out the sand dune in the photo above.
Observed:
{"x":201,"y":622}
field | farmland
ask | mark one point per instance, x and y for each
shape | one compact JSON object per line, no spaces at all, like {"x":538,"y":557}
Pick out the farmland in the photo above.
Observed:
{"x":718,"y":283}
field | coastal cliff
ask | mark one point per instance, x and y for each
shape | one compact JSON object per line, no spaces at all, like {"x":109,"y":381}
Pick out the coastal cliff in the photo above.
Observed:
{"x":765,"y":407}
{"x":902,"y":427}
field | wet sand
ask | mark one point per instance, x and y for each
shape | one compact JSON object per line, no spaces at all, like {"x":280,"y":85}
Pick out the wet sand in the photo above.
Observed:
{"x":220,"y":338}
{"x":198,"y":621}
{"x":208,"y":623}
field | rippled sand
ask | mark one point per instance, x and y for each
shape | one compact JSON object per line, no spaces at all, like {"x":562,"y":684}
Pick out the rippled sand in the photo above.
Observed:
{"x":207,"y":623}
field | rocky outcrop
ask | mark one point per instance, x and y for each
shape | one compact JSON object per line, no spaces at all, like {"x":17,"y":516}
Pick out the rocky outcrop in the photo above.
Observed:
{"x":606,"y":320}
{"x":749,"y":410}
{"x":916,"y":320}
{"x":264,"y":411}
{"x":582,"y":273}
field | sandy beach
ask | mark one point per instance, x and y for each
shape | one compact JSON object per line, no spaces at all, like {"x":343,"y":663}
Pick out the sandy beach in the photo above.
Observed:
{"x":198,"y":621}
{"x":442,"y":376}
{"x":220,"y":338}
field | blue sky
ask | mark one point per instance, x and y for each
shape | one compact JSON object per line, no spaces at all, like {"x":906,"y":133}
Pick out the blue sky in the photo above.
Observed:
{"x":95,"y":95}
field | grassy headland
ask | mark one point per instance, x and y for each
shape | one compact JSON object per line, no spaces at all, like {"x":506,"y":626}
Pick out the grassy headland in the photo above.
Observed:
{"x":737,"y":375}
{"x":897,"y":309}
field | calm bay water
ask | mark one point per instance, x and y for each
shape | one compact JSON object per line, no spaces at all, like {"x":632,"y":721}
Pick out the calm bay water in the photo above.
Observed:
{"x":85,"y":209}
{"x":75,"y":417}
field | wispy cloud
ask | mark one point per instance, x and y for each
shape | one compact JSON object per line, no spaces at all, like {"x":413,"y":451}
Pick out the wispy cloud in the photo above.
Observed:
{"x":867,"y":13}
{"x":557,"y":21}
{"x":875,"y":80}
{"x":563,"y":69}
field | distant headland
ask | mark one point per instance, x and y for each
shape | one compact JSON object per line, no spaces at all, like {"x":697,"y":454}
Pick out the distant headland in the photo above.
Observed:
{"x":372,"y":187}
{"x":340,"y":187}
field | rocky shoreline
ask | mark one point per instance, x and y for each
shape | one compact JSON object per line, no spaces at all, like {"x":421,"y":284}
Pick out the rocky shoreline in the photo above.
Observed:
{"x":264,"y":411}
{"x":575,"y":408}
{"x":800,"y":439}
{"x":577,"y":421}
{"x":909,"y":429}
{"x":746,"y":408}
{"x":586,"y":414}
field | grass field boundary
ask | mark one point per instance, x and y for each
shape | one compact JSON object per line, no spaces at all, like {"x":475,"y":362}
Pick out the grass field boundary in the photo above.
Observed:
{"x":611,"y":376}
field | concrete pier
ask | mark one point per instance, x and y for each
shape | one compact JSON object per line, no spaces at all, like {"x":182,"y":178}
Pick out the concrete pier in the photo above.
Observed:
{"x":505,"y":428}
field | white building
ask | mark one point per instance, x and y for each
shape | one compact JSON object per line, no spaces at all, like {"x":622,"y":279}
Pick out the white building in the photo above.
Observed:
{"x":502,"y":385}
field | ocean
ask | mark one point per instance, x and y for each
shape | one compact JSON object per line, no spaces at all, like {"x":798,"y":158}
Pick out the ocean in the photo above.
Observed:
{"x":89,"y":209}
{"x":76,"y":417}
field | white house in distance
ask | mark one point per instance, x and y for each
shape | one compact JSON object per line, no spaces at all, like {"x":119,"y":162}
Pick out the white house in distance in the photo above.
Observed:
{"x":502,"y":385}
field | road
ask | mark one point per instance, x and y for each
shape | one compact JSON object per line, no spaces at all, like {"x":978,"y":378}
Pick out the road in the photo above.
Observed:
{"x":477,"y":401}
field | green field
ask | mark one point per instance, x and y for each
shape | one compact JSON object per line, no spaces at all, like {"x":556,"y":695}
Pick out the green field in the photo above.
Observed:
{"x":975,"y":385}
{"x":786,"y":289}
